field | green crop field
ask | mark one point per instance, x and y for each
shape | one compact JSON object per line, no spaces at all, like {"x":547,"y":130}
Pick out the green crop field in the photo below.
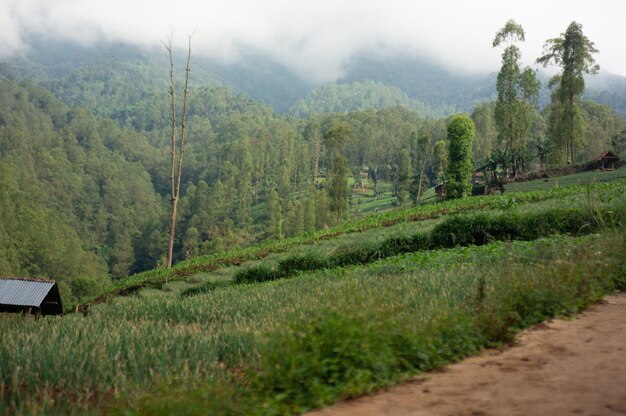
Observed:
{"x":291,"y":325}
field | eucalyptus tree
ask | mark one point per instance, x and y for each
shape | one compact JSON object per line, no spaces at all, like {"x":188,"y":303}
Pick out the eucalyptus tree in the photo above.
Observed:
{"x":336,"y":139}
{"x":517,"y":93}
{"x":423,"y":145}
{"x":573,"y":52}
{"x":404,"y":176}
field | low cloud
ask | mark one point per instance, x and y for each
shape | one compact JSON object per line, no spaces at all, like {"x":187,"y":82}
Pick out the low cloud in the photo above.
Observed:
{"x":316,"y":38}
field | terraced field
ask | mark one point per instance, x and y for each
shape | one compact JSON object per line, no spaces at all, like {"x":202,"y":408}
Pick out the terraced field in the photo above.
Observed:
{"x":292,"y":325}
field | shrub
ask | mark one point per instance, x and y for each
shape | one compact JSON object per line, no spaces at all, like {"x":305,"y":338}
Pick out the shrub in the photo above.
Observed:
{"x":308,"y":261}
{"x":479,"y":229}
{"x":256,"y":274}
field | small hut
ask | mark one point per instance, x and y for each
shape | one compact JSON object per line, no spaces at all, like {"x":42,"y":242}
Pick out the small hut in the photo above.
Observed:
{"x":26,"y":295}
{"x":440,"y":190}
{"x":478,"y":178}
{"x":607,"y":161}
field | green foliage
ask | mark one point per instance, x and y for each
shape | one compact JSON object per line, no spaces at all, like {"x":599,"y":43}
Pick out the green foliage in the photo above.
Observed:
{"x":338,"y":191}
{"x":460,"y":166}
{"x":481,"y":229}
{"x":365,"y":95}
{"x":265,"y":348}
{"x":405,"y":174}
{"x":256,"y":275}
{"x":573,"y":51}
{"x":517,"y":95}
{"x":319,"y":361}
{"x":301,"y":263}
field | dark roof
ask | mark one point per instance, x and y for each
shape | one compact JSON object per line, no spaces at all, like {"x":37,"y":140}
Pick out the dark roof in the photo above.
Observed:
{"x":607,"y":155}
{"x":18,"y":293}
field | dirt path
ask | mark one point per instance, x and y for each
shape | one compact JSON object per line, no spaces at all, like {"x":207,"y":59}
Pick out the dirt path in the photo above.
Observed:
{"x":574,"y":367}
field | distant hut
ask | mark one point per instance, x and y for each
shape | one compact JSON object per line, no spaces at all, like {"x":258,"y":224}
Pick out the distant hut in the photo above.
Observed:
{"x":27,"y":295}
{"x":440,"y":190}
{"x":607,"y":161}
{"x":478,"y":177}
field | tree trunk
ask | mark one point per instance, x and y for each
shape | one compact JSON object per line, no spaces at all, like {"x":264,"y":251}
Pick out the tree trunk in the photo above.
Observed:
{"x":317,"y":150}
{"x":176,"y":171}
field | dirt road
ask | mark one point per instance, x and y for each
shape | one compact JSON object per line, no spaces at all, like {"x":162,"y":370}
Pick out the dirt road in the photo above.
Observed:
{"x":561,"y":367}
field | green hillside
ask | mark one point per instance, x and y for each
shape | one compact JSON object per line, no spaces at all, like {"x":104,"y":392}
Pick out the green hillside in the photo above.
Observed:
{"x":366,"y":95}
{"x":294,"y":324}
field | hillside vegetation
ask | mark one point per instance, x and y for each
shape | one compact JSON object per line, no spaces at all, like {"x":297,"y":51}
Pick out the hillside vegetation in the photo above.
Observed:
{"x":347,"y":310}
{"x":85,"y":179}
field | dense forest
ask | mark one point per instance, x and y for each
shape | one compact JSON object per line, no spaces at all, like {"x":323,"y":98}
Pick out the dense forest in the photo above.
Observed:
{"x":84,"y":159}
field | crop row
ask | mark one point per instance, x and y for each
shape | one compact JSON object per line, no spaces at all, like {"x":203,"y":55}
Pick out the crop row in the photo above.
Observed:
{"x":263,"y":342}
{"x":384,"y":219}
{"x":460,"y":230}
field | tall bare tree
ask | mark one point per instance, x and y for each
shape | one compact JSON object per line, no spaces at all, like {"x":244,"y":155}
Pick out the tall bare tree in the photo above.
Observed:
{"x":176,"y":166}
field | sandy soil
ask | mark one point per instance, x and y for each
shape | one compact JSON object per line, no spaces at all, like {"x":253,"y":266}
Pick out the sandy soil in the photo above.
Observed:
{"x":561,"y":367}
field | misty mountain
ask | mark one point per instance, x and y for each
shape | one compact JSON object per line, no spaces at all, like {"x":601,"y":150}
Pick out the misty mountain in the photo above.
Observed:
{"x":362,"y":95}
{"x":424,"y":80}
{"x":106,"y":77}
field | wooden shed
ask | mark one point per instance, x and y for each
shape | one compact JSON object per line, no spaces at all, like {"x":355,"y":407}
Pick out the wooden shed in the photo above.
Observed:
{"x":440,"y":190}
{"x":26,"y":295}
{"x":608,"y":161}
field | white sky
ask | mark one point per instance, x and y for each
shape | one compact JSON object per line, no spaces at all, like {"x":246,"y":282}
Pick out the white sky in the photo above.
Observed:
{"x":315,"y":37}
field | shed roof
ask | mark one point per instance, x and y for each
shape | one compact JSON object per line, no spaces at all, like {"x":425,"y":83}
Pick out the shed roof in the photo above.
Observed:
{"x":607,"y":155}
{"x":24,"y":292}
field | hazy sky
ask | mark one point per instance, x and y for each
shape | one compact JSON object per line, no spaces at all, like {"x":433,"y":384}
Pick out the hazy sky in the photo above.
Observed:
{"x":316,"y":37}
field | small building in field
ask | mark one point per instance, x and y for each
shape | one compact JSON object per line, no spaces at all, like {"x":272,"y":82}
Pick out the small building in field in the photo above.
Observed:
{"x":26,"y":295}
{"x":478,"y":178}
{"x":607,"y":161}
{"x":440,"y":190}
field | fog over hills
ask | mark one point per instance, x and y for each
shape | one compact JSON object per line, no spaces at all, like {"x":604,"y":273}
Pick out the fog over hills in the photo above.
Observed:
{"x":418,"y":83}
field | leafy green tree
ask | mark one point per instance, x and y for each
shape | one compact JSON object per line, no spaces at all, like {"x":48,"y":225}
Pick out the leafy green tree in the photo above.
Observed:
{"x":309,"y":211}
{"x":336,"y":139}
{"x":338,"y":190}
{"x":486,"y":138}
{"x":405,"y":173}
{"x":517,"y":93}
{"x":274,"y":215}
{"x":440,"y":164}
{"x":618,"y":142}
{"x":420,"y":179}
{"x":460,"y":166}
{"x":573,"y":52}
{"x":322,"y":219}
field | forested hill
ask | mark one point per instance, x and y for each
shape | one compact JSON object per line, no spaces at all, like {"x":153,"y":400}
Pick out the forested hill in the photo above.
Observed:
{"x":84,"y":175}
{"x":85,"y":197}
{"x":107,"y":76}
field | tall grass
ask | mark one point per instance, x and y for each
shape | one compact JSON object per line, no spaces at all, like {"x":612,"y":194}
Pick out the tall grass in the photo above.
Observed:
{"x":273,"y":348}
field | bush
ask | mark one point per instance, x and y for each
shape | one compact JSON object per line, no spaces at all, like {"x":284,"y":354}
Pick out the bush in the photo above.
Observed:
{"x":256,"y":274}
{"x":479,"y":229}
{"x":308,"y":261}
{"x":459,"y":230}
